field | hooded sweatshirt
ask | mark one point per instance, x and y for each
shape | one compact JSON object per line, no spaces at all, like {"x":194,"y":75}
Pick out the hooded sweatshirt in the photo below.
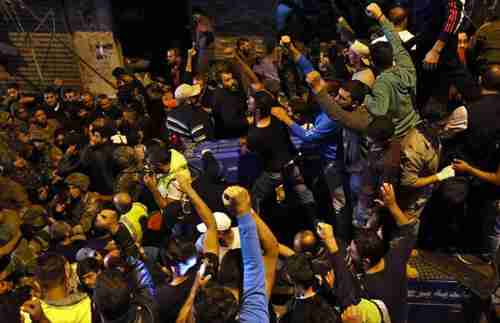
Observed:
{"x":395,"y":88}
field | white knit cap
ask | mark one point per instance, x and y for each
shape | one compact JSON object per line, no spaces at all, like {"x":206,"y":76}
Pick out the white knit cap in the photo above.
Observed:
{"x":222,"y":220}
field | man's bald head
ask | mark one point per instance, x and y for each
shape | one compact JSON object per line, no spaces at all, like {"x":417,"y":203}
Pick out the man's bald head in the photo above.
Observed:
{"x":305,"y":241}
{"x":490,"y":79}
{"x":399,"y":17}
{"x":122,"y":202}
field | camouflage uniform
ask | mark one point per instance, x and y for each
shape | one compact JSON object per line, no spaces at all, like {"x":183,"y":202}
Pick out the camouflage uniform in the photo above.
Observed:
{"x":35,"y":217}
{"x":130,"y":177}
{"x":22,"y":258}
{"x":46,"y":133}
{"x":15,"y":197}
{"x":130,"y":181}
{"x":29,"y":178}
{"x":83,"y":212}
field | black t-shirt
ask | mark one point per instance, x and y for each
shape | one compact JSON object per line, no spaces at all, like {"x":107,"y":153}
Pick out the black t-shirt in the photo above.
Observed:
{"x":272,"y":144}
{"x":229,"y":114}
{"x":171,"y":298}
{"x":124,"y":240}
{"x":391,"y":284}
{"x":311,"y":310}
{"x":482,"y":139}
{"x":211,"y":192}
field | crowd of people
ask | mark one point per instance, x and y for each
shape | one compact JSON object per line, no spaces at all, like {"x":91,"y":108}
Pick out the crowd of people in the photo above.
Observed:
{"x":104,"y":217}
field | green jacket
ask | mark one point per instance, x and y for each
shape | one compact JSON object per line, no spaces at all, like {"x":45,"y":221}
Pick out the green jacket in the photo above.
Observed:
{"x":395,"y":89}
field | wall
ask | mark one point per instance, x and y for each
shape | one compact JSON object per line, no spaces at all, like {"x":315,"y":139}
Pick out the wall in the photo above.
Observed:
{"x":50,"y":45}
{"x":73,"y":29}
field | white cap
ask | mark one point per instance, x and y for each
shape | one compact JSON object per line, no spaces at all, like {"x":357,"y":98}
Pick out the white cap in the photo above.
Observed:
{"x":185,"y":91}
{"x":222,"y":220}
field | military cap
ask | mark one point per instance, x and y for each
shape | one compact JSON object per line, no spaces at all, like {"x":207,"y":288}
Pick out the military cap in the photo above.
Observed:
{"x":79,"y":180}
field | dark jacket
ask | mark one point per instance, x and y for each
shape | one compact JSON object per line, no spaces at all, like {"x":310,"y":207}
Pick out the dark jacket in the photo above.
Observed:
{"x":143,"y":308}
{"x":228,"y":111}
{"x":97,"y":162}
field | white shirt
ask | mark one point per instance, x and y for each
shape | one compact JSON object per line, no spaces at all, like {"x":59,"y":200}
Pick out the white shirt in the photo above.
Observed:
{"x":405,"y":36}
{"x":222,"y":249}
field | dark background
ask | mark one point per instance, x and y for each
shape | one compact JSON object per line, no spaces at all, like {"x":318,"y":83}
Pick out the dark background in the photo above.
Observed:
{"x":147,"y":29}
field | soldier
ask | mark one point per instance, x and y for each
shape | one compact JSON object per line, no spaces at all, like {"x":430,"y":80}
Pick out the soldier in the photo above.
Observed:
{"x":129,"y":178}
{"x":35,"y":227}
{"x":13,"y":198}
{"x":15,"y":251}
{"x":84,"y":205}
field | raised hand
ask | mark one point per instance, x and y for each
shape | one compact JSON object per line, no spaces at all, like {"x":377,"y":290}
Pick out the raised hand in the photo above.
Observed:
{"x":237,"y":200}
{"x":373,"y":10}
{"x":184,"y":181}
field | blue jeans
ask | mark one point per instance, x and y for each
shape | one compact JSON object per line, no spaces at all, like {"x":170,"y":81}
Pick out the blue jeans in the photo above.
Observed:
{"x":334,"y":180}
{"x":491,"y":227}
{"x":359,"y":215}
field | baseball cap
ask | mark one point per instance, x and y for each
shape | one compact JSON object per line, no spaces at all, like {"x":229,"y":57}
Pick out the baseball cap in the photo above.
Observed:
{"x":85,"y":253}
{"x":185,"y":91}
{"x":222,"y":220}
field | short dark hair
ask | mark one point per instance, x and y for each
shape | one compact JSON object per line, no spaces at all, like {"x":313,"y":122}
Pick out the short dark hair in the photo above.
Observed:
{"x":102,"y":97}
{"x":87,"y":265}
{"x":39,"y":109}
{"x":112,"y":294}
{"x":399,"y":16}
{"x":357,"y":89}
{"x":158,"y":154}
{"x":369,"y":245}
{"x":180,"y":249}
{"x":300,"y":269}
{"x":219,"y":68}
{"x":382,"y":55}
{"x":106,"y":130}
{"x":215,"y":304}
{"x":118,"y":72}
{"x":51,"y":271}
{"x":264,"y":102}
{"x":50,"y":89}
{"x":68,"y":90}
{"x":13,"y":85}
{"x":177,"y":51}
{"x":231,"y":270}
{"x":491,"y":78}
{"x":241,"y":40}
